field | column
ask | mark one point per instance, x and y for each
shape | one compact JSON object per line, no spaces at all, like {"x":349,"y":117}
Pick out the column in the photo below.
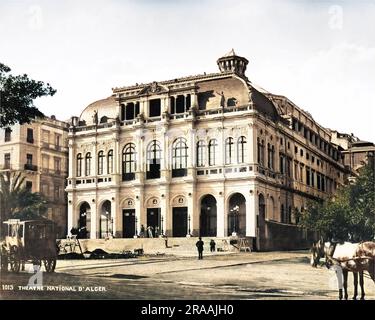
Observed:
{"x":71,"y":159}
{"x":194,"y":215}
{"x":252,"y":137}
{"x":94,"y":221}
{"x":139,"y":210}
{"x":142,"y":106}
{"x":164,"y":210}
{"x":191,"y":144}
{"x":194,"y":100}
{"x":116,"y":213}
{"x":140,"y":158}
{"x":164,"y":162}
{"x":221,"y":216}
{"x":71,"y":214}
{"x":164,"y":104}
{"x":251,"y":213}
{"x":221,"y":147}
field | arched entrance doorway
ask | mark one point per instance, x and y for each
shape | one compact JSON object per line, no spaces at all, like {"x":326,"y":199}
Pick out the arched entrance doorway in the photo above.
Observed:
{"x":106,"y":221}
{"x":237,"y":215}
{"x":261,"y":222}
{"x":208,"y":217}
{"x":84,"y":221}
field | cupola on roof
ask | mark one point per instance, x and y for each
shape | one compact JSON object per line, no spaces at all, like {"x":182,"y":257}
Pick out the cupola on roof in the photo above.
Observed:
{"x":232,"y":62}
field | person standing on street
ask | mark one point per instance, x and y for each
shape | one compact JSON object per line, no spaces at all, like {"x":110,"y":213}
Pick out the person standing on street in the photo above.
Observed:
{"x":212,"y":245}
{"x":199,"y":245}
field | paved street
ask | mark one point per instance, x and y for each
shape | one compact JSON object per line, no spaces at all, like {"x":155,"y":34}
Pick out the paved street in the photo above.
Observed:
{"x":276,"y":275}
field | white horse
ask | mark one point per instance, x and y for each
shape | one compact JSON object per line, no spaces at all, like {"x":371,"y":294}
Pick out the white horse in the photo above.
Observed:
{"x":350,"y":257}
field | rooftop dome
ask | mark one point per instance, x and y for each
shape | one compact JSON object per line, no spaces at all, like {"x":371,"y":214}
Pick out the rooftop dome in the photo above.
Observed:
{"x":105,"y":108}
{"x":232,"y":62}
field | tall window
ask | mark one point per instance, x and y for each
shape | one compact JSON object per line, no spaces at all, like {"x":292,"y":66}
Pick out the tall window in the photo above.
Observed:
{"x":270,"y":153}
{"x":201,"y":153}
{"x":79,"y":164}
{"x":179,"y":158}
{"x":128,"y":162}
{"x":7,"y":161}
{"x":229,"y":150}
{"x":8,"y":134}
{"x":30,"y":135}
{"x":100,"y":162}
{"x":260,"y":152}
{"x":241,"y":149}
{"x":29,"y":159}
{"x":282,"y":214}
{"x":153,"y":160}
{"x":110,"y":162}
{"x":212,"y":152}
{"x":88,"y":164}
{"x":57,"y":165}
{"x":282,"y":164}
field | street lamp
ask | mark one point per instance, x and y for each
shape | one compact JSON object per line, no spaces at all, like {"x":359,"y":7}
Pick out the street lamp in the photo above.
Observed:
{"x":136,"y":231}
{"x":235,"y":210}
{"x":161,"y":227}
{"x":188,"y":234}
{"x":107,"y":217}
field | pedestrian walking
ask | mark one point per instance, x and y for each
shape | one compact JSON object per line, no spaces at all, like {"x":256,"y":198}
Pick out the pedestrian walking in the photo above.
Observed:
{"x":199,"y":245}
{"x":212,"y":245}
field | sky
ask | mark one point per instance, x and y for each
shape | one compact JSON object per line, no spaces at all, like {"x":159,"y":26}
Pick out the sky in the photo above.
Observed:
{"x":319,"y":54}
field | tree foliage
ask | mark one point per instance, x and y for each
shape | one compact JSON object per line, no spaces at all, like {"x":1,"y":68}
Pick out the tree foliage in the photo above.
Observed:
{"x":350,"y":214}
{"x":17,"y":95}
{"x":17,"y":202}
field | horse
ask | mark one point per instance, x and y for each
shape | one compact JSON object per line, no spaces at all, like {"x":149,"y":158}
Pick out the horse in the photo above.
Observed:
{"x":350,"y":257}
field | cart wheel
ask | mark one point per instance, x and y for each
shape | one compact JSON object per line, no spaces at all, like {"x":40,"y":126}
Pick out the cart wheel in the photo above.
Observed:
{"x":4,"y":262}
{"x":50,"y":264}
{"x":14,"y":259}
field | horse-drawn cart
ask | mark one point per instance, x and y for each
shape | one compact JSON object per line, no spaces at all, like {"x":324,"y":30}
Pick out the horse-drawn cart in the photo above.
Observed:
{"x":29,"y":241}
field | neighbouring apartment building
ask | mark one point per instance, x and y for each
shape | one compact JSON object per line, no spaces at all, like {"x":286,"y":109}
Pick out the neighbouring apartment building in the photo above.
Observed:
{"x":40,"y":150}
{"x":356,"y":152}
{"x":209,"y":155}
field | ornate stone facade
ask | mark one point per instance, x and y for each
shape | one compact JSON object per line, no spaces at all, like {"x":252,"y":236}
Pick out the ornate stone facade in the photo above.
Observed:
{"x":206,"y":155}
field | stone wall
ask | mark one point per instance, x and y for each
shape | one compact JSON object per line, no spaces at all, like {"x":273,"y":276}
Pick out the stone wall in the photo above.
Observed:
{"x":280,"y":236}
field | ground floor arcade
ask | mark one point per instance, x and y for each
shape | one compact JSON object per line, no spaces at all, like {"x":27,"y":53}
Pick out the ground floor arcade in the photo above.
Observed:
{"x":209,"y":210}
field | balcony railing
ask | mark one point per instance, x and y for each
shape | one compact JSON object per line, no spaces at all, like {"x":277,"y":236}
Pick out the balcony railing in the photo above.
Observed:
{"x":31,"y":167}
{"x":175,"y":116}
{"x":54,"y":147}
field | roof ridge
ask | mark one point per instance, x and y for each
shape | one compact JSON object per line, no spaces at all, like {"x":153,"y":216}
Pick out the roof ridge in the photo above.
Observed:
{"x":176,"y":80}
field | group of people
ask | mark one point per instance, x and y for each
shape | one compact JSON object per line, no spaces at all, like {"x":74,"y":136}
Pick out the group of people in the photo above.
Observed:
{"x":200,"y":245}
{"x":149,"y":232}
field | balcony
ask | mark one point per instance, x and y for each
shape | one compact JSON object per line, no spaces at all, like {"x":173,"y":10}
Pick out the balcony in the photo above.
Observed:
{"x":30,"y":167}
{"x":50,"y":146}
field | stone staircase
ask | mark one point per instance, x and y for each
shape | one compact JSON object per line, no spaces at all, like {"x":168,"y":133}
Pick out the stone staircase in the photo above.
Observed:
{"x":184,"y":246}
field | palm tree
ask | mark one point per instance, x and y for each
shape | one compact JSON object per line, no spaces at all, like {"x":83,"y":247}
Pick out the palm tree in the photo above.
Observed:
{"x":16,"y":201}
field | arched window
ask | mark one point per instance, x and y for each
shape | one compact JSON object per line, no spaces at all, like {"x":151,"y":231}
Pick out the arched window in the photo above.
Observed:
{"x":110,"y":162}
{"x":260,"y":152}
{"x":212,"y":150}
{"x":179,"y":158}
{"x":79,"y":164}
{"x":88,"y":164}
{"x":201,"y":153}
{"x":100,"y":162}
{"x":242,"y":150}
{"x":128,"y":162}
{"x":229,"y":150}
{"x":153,"y":160}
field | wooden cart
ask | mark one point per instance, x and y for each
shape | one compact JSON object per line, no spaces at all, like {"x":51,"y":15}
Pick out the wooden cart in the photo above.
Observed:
{"x":29,"y":241}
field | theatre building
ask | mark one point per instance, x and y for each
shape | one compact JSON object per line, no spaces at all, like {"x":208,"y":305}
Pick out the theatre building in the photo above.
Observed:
{"x":211,"y":155}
